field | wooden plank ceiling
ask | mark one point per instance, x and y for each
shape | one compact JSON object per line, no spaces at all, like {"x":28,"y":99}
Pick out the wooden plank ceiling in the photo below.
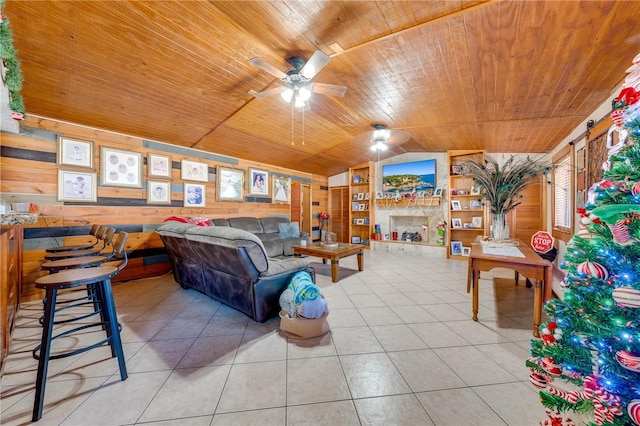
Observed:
{"x":505,"y":76}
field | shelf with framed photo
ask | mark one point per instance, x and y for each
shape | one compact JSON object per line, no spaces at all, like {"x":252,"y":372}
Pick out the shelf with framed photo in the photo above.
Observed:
{"x":465,"y":206}
{"x":361,"y":185}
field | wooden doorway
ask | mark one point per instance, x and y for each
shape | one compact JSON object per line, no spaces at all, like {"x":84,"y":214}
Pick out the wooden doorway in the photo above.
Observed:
{"x":530,"y":215}
{"x":301,"y":205}
{"x":339,"y":204}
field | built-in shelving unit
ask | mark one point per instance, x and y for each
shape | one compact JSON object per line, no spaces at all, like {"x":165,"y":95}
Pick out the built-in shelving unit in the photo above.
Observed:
{"x":361,"y":185}
{"x":467,"y":212}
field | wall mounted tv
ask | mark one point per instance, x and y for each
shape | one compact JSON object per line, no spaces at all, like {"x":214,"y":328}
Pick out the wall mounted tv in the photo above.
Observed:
{"x":403,"y":179}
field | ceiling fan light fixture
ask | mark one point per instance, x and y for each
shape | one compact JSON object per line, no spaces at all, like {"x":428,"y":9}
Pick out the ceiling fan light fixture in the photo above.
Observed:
{"x":304,"y":93}
{"x":378,"y":145}
{"x":287,"y":95}
{"x":299,"y":102}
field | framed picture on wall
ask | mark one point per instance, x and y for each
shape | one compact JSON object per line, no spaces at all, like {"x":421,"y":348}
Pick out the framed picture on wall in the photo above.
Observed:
{"x":158,"y":192}
{"x":158,"y":166}
{"x":229,"y":184}
{"x":194,"y":170}
{"x":258,"y":183}
{"x":194,"y":195}
{"x":77,"y":186}
{"x":75,"y":152}
{"x":281,"y":190}
{"x":120,"y":168}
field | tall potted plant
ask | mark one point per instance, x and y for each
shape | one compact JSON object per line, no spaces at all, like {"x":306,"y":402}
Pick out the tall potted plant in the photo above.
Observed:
{"x":501,"y":185}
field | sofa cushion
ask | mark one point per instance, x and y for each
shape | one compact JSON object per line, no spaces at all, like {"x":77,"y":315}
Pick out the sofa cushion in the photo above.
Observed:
{"x":289,"y":230}
{"x":250,"y":224}
{"x":220,"y":222}
{"x":273,"y":247}
{"x":278,"y":266}
{"x":270,"y":224}
{"x":232,"y":237}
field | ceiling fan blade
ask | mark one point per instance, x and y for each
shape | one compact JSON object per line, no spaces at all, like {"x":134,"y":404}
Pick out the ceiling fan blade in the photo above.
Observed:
{"x":313,"y":66}
{"x":267,"y":93}
{"x":265,"y":66}
{"x":328,"y":89}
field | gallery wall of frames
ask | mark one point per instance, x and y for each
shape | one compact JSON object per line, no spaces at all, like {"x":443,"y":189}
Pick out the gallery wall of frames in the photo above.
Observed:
{"x":75,"y":176}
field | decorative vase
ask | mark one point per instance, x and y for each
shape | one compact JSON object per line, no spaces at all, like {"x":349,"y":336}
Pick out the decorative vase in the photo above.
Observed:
{"x":324,"y":230}
{"x":499,"y":230}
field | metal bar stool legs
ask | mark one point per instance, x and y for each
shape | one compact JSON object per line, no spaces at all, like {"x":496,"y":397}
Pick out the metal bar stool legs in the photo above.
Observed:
{"x":100,"y":278}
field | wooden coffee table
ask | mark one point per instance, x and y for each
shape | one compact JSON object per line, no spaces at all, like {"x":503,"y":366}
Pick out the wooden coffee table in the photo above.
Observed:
{"x":332,"y":253}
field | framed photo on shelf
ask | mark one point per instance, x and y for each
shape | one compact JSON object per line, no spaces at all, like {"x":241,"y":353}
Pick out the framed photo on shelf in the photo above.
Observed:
{"x":258,"y":183}
{"x":229,"y":184}
{"x":281,"y":190}
{"x":75,"y":152}
{"x":456,"y":223}
{"x":367,"y":195}
{"x":476,"y":204}
{"x":456,"y":248}
{"x":194,"y":194}
{"x":467,"y":225}
{"x":355,"y":240}
{"x":158,"y":192}
{"x":386,"y":237}
{"x":455,"y":205}
{"x":120,"y":168}
{"x":158,"y":166}
{"x":360,"y":195}
{"x":361,"y":207}
{"x":466,"y":251}
{"x":355,"y":196}
{"x":475,"y":190}
{"x":354,"y":206}
{"x":456,"y":170}
{"x":437,"y":192}
{"x":359,"y":221}
{"x":77,"y":186}
{"x":194,"y":170}
{"x":476,"y":221}
{"x":356,"y":178}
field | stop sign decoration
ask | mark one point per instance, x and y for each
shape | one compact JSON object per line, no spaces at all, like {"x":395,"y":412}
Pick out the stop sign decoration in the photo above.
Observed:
{"x":542,"y":242}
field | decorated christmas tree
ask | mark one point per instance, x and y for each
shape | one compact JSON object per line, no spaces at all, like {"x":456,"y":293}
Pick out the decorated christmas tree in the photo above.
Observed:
{"x":588,"y":359}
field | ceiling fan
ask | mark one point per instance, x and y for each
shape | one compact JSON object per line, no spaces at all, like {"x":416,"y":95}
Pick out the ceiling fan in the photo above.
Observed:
{"x":297,"y":83}
{"x":380,"y":137}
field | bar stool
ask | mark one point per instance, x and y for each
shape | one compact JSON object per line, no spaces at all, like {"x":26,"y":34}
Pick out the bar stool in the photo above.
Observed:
{"x":106,"y":240}
{"x":54,"y":266}
{"x":99,"y":278}
{"x":93,"y":232}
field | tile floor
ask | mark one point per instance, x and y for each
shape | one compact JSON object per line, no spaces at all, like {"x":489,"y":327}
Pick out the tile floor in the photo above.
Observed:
{"x":403,"y":350}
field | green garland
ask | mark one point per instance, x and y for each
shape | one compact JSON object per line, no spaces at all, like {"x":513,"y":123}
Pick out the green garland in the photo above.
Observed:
{"x":13,"y":76}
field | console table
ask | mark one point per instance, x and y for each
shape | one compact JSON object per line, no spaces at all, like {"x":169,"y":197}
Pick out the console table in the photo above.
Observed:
{"x":530,"y":266}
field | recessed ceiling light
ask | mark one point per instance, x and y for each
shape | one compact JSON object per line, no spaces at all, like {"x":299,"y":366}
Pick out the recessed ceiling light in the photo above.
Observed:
{"x":336,"y":47}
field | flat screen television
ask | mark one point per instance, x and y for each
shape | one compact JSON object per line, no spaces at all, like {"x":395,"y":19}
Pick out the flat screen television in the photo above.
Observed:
{"x":403,"y":179}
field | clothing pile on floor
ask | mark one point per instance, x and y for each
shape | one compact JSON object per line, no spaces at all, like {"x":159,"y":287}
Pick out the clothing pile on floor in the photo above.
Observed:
{"x":302,"y":298}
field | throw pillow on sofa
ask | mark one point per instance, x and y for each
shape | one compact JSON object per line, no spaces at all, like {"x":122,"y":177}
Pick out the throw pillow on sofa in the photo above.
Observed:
{"x":289,"y":230}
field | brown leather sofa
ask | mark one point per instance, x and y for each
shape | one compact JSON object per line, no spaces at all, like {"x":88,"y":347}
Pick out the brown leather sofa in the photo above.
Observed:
{"x":230,"y":265}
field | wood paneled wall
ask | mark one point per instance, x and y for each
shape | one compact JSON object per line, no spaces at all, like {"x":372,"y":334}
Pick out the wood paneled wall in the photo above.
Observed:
{"x":29,"y":173}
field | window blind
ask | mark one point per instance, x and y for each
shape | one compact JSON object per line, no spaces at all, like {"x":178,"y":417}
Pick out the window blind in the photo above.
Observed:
{"x":562,"y":193}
